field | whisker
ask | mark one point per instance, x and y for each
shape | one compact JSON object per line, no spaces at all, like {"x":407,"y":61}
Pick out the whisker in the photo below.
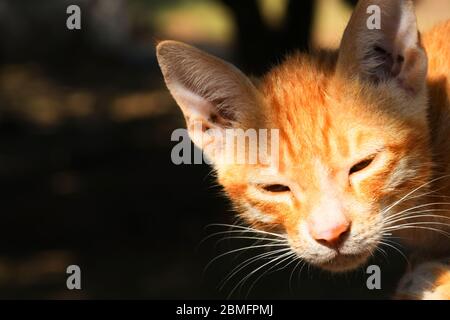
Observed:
{"x":292,"y":274}
{"x":301,"y":269}
{"x":271,"y":268}
{"x":416,"y":223}
{"x":413,"y":215}
{"x":426,"y":228}
{"x":416,"y":207}
{"x":383,"y":242}
{"x":253,"y":238}
{"x":439,"y":196}
{"x":383,"y":252}
{"x":263,"y":238}
{"x":246,"y":263}
{"x":429,"y":194}
{"x":294,"y":255}
{"x":389,"y":235}
{"x":241,"y":249}
{"x":246,"y":228}
{"x":242,"y":281}
{"x":412,"y":192}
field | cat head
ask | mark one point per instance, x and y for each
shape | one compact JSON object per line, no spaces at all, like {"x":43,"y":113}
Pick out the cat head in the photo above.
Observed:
{"x":352,"y":134}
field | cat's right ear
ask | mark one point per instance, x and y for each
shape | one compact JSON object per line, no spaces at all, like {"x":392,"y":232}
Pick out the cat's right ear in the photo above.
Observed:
{"x":212,"y":93}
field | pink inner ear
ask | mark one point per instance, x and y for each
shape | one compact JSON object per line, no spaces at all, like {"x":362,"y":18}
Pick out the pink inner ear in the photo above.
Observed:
{"x":397,"y":65}
{"x":197,"y":108}
{"x":192,"y":104}
{"x":413,"y":70}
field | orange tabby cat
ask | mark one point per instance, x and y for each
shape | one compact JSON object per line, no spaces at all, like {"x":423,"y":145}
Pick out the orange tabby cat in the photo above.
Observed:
{"x":364,"y":148}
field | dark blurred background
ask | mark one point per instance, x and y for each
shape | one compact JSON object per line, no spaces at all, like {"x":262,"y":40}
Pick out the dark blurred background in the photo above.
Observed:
{"x":85,"y":171}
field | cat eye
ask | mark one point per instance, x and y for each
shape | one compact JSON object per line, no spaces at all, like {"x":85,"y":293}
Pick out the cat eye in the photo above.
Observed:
{"x":362,"y":165}
{"x":275,"y":188}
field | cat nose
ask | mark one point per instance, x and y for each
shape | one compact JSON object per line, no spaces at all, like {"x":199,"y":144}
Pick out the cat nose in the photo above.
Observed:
{"x":331,"y":231}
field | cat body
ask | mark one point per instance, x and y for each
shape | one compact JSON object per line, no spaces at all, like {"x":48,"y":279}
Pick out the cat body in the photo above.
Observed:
{"x":364,"y":148}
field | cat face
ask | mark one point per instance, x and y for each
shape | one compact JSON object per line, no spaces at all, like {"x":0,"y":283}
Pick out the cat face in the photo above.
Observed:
{"x":344,"y":158}
{"x":353,"y":135}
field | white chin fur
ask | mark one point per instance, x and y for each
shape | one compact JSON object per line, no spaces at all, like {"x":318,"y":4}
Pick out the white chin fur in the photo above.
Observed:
{"x":343,"y":263}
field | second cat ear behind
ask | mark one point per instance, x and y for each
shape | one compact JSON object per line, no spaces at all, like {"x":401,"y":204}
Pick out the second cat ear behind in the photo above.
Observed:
{"x":208,"y":90}
{"x":381,"y":43}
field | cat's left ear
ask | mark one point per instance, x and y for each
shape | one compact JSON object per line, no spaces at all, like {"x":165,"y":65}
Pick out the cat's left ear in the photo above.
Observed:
{"x":382,"y":43}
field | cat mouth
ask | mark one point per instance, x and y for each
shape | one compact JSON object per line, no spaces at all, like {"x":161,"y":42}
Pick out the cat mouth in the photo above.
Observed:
{"x":343,"y":262}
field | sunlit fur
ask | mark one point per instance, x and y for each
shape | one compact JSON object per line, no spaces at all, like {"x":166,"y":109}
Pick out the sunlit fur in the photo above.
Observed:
{"x":325,"y":128}
{"x":429,"y":281}
{"x":334,"y":111}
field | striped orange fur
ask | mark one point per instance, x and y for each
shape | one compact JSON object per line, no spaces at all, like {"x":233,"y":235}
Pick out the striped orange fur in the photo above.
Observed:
{"x":364,"y":148}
